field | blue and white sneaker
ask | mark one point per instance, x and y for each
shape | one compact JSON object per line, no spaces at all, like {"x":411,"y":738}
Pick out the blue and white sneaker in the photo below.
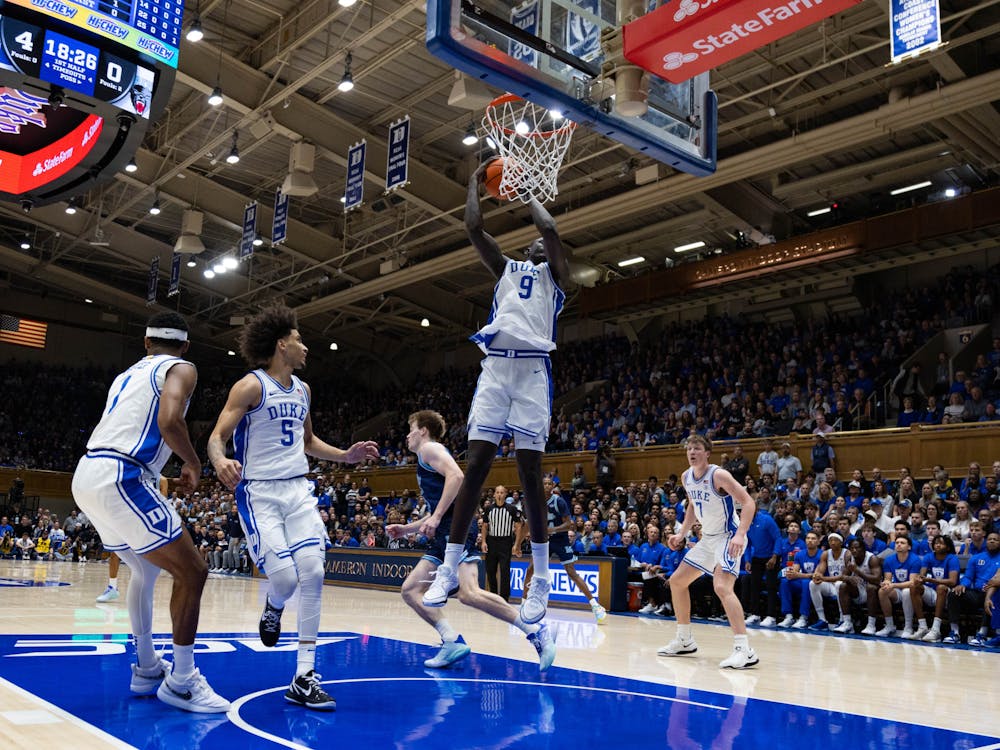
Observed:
{"x":545,"y":644}
{"x":109,"y":595}
{"x":449,"y":653}
{"x":445,"y":584}
{"x":976,"y":640}
{"x":952,"y":638}
{"x":536,"y":601}
{"x":820,"y":625}
{"x":194,"y":694}
{"x":146,"y":680}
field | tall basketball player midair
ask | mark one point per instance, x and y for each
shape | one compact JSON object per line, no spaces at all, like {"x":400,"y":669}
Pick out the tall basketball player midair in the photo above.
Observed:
{"x":268,"y":409}
{"x":514,"y":392}
{"x":117,"y":485}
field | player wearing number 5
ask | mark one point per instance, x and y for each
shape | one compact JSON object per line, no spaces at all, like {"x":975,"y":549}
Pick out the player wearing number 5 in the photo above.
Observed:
{"x":712,"y":494}
{"x":514,"y":392}
{"x":268,"y":410}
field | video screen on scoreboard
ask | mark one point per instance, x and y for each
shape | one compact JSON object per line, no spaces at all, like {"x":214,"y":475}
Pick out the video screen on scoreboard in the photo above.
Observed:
{"x":76,"y":66}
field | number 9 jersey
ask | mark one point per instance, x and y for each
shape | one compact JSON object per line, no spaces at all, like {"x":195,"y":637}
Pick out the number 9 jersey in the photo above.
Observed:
{"x":526,"y":303}
{"x":269,"y":439}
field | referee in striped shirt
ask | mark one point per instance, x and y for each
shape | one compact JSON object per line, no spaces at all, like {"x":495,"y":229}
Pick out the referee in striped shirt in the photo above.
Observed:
{"x":500,"y":524}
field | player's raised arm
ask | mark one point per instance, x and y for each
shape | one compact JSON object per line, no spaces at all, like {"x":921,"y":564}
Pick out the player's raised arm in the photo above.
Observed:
{"x":556,"y":253}
{"x":489,"y":250}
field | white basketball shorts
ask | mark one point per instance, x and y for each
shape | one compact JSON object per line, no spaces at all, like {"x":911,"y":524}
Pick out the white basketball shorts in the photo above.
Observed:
{"x":123,"y":501}
{"x":513,"y":397}
{"x":279,"y":518}
{"x":713,"y":551}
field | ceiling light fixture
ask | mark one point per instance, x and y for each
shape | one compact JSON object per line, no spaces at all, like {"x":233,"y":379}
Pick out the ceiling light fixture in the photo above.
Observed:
{"x":219,"y":267}
{"x":230,"y":262}
{"x":689,"y":246}
{"x":88,"y":300}
{"x":26,"y":243}
{"x":820,"y":211}
{"x":470,"y":138}
{"x":630,"y":261}
{"x":215,"y":98}
{"x":908,"y":188}
{"x":155,"y":208}
{"x":347,"y":81}
{"x":556,"y":114}
{"x":195,"y":33}
{"x":209,"y":273}
{"x":71,"y":206}
{"x":131,"y":166}
{"x":346,"y":3}
{"x":424,"y":323}
{"x":333,"y":346}
{"x":191,"y":263}
{"x":234,"y":153}
{"x":258,"y":240}
{"x":231,"y":353}
{"x":950,"y":192}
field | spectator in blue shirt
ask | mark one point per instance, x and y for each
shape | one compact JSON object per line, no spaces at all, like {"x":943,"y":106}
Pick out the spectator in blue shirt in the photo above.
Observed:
{"x":764,"y":537}
{"x":970,"y":593}
{"x":938,"y":576}
{"x":651,"y":560}
{"x":897,"y":570}
{"x":795,"y":582}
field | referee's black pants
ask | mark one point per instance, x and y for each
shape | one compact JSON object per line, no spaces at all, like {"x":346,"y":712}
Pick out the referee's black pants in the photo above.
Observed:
{"x":498,"y":552}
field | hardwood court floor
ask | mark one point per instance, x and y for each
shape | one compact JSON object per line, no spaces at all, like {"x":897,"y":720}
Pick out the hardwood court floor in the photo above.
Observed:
{"x":64,"y":673}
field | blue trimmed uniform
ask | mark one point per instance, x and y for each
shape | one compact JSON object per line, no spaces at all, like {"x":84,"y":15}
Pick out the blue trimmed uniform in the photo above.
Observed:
{"x":432,"y":487}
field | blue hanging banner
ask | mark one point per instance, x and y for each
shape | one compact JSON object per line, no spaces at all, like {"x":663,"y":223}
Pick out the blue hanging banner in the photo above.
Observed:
{"x":355,"y":191}
{"x":154,"y":273}
{"x":175,"y":275}
{"x":914,"y":27}
{"x":398,"y":158}
{"x":525,"y":17}
{"x":279,"y":227}
{"x":249,"y":230}
{"x":583,"y":35}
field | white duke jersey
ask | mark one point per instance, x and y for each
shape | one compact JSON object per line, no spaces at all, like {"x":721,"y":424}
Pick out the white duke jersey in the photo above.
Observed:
{"x":716,"y":513}
{"x":128,"y":425}
{"x":526,"y":303}
{"x":836,"y":567}
{"x":269,"y":439}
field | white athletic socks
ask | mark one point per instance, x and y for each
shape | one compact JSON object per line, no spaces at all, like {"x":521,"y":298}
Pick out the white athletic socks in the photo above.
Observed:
{"x":113,"y":583}
{"x":525,"y":627}
{"x":540,"y":558}
{"x":446,"y":631}
{"x":453,"y":555}
{"x":684,"y":632}
{"x":741,"y":641}
{"x":306,"y":659}
{"x":183,"y":662}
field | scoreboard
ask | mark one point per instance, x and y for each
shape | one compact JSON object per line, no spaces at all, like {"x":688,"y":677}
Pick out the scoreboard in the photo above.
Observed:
{"x":112,"y":62}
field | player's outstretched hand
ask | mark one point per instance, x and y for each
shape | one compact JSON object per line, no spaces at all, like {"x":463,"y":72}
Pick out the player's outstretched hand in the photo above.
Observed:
{"x":361,"y":451}
{"x":394,"y":531}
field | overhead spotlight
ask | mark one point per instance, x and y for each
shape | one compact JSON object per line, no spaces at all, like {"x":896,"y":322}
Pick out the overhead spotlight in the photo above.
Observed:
{"x":234,"y":153}
{"x":346,"y":3}
{"x":908,"y":188}
{"x":131,"y":166}
{"x":195,"y":34}
{"x":219,"y":267}
{"x":950,"y":192}
{"x":333,"y":346}
{"x":71,"y":206}
{"x":231,"y":353}
{"x":347,"y":80}
{"x":230,"y":262}
{"x":522,"y":128}
{"x":343,"y":199}
{"x":209,"y":273}
{"x":88,"y":300}
{"x":191,"y":263}
{"x":155,"y":208}
{"x":258,"y":240}
{"x":424,"y":323}
{"x":470,"y":138}
{"x":215,"y":98}
{"x":556,"y":114}
{"x":491,"y":143}
{"x":25,"y":243}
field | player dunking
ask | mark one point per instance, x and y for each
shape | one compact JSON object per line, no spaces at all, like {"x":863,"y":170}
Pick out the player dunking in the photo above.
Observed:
{"x":268,"y":409}
{"x":514,"y":392}
{"x":116,"y":485}
{"x":439,"y":478}
{"x":712,"y":493}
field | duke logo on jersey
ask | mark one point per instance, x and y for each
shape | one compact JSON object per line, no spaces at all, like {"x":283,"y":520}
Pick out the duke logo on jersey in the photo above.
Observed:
{"x":269,"y":439}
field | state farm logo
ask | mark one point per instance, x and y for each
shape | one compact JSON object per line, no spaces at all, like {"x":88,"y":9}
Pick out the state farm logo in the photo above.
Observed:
{"x":41,"y":167}
{"x":674,"y":60}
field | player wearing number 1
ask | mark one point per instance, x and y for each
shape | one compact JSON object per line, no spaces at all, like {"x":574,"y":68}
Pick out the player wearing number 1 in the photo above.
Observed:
{"x":268,"y":410}
{"x":514,"y":392}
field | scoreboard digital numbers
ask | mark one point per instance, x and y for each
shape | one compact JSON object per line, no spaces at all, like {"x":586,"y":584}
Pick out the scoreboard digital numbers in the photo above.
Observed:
{"x":152,"y":27}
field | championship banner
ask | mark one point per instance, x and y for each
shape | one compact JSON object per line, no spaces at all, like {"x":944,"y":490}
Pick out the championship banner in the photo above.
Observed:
{"x":583,"y":34}
{"x":154,"y":272}
{"x":175,"y":275}
{"x":249,"y":230}
{"x":525,"y":17}
{"x":354,"y":193}
{"x":279,"y":227}
{"x":398,"y":157}
{"x":914,"y":26}
{"x":680,"y":40}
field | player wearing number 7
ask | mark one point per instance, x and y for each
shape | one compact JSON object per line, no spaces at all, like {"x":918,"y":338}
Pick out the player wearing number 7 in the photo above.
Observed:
{"x":268,"y":410}
{"x":712,"y":493}
{"x":514,"y":392}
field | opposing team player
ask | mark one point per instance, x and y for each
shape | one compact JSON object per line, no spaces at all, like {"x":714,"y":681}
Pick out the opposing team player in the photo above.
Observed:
{"x":514,"y":392}
{"x":116,"y":485}
{"x":439,"y":478}
{"x":268,"y":410}
{"x":712,"y":493}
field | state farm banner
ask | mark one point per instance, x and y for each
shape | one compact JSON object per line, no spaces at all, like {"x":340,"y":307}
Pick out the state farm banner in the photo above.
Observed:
{"x":681,"y":40}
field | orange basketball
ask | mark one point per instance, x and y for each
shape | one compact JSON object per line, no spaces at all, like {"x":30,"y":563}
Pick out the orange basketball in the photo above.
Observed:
{"x":492,"y":177}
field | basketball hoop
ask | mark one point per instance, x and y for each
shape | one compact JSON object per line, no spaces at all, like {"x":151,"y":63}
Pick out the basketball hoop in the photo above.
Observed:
{"x":532,"y":143}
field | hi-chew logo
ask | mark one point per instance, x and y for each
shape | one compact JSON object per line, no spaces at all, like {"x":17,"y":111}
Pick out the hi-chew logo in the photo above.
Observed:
{"x":54,"y":6}
{"x":107,"y":26}
{"x":154,"y":47}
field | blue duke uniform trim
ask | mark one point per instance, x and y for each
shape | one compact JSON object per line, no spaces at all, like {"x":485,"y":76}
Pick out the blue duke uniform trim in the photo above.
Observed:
{"x":718,"y":517}
{"x":269,"y":439}
{"x":431,"y":485}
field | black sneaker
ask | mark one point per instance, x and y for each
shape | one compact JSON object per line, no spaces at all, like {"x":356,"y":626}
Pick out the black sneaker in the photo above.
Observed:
{"x":270,"y":624}
{"x":306,"y":691}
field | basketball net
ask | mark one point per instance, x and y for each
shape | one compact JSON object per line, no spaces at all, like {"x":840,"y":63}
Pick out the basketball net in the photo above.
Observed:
{"x":531,"y":146}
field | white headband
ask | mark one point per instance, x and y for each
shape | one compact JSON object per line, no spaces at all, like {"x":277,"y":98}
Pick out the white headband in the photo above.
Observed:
{"x":174,"y":334}
{"x":835,"y":534}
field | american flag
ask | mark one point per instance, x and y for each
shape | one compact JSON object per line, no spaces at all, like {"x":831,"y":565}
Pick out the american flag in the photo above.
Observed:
{"x":14,"y":330}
